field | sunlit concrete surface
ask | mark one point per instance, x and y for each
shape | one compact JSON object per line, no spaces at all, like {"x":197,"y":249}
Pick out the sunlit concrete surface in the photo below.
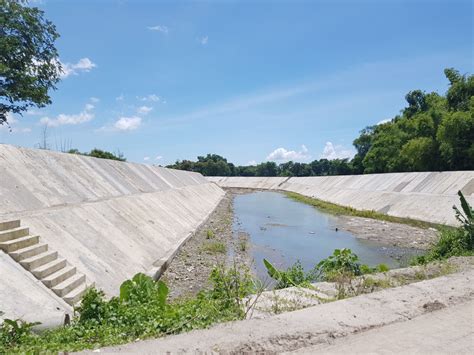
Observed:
{"x":109,"y":219}
{"x":426,"y":196}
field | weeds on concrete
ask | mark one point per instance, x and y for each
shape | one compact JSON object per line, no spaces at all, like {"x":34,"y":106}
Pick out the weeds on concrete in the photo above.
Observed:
{"x":141,"y":311}
{"x":349,"y":211}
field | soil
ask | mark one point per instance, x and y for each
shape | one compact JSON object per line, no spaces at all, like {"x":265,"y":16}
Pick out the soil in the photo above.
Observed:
{"x":388,"y":233}
{"x":189,"y":271}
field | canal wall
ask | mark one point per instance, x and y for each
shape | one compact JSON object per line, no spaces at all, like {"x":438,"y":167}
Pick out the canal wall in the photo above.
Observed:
{"x":108,"y":219}
{"x":425,"y":196}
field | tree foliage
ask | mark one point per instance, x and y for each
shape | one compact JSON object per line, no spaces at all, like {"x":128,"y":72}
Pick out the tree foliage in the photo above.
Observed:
{"x":102,"y":154}
{"x":29,"y":64}
{"x":433,"y":132}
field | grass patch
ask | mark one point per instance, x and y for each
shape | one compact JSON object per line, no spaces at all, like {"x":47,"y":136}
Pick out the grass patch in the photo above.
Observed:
{"x":336,"y":209}
{"x":215,"y":247}
{"x":210,"y":234}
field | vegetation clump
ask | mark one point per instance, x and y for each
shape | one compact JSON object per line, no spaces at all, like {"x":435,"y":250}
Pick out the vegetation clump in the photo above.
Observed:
{"x":454,"y":242}
{"x":342,"y":263}
{"x":140,"y":311}
{"x":101,"y":154}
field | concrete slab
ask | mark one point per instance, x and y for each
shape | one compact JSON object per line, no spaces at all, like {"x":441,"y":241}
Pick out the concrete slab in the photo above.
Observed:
{"x":109,"y":219}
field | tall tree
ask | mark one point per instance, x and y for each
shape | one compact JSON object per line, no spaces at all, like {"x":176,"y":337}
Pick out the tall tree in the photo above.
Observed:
{"x":29,"y":64}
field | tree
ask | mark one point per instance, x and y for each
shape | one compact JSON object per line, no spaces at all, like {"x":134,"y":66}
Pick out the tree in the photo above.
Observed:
{"x":461,"y":90}
{"x":29,"y":64}
{"x":102,"y":154}
{"x":456,"y":139}
{"x":416,"y":102}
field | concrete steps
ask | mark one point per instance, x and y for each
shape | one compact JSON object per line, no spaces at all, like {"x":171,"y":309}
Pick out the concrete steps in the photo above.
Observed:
{"x":46,"y":265}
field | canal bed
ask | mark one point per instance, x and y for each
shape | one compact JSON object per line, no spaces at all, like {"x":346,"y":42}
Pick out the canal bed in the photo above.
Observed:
{"x":283,"y":231}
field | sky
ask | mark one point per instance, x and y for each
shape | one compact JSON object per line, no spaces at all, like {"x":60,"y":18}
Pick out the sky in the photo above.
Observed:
{"x":249,"y":80}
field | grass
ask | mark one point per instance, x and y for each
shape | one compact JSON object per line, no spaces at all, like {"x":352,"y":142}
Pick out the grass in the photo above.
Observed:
{"x":336,"y":209}
{"x":215,"y":247}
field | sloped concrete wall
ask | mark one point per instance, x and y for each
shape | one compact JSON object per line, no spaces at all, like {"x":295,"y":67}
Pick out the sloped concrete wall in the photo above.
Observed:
{"x":109,"y":219}
{"x":426,"y":196}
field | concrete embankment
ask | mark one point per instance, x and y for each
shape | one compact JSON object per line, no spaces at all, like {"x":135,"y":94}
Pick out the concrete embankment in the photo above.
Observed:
{"x":425,"y":196}
{"x":108,"y":219}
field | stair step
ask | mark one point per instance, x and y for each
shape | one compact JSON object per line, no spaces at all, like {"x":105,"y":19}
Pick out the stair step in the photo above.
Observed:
{"x":36,"y":261}
{"x":49,"y":268}
{"x":13,"y":233}
{"x":75,"y":295}
{"x":59,"y":276}
{"x":19,"y":243}
{"x":9,"y":225}
{"x":69,"y":284}
{"x":28,"y":252}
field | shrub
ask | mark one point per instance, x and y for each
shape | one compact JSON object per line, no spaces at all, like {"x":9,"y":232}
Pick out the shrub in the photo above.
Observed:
{"x":453,"y":241}
{"x":293,"y":276}
{"x":342,"y":261}
{"x":140,"y":311}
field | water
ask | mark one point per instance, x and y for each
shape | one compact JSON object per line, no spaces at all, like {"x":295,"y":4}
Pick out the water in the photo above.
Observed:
{"x":283,"y":231}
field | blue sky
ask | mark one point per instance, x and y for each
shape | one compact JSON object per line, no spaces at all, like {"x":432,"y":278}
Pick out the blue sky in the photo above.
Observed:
{"x":249,"y":80}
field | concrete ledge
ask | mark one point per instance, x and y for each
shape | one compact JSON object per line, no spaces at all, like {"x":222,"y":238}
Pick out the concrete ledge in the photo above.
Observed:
{"x":317,"y":325}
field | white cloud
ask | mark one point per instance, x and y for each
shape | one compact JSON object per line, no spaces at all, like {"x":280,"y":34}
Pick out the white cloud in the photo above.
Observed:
{"x":32,"y":112}
{"x":159,"y":28}
{"x":252,"y":162}
{"x":151,"y":97}
{"x":94,"y":100}
{"x":128,"y":123}
{"x":120,"y":97}
{"x":204,"y":40}
{"x":282,"y":155}
{"x":146,"y":158}
{"x":83,"y":65}
{"x":144,"y":110}
{"x":332,"y":151}
{"x":158,"y":157}
{"x":384,"y":121}
{"x":63,"y":119}
{"x":12,"y":125}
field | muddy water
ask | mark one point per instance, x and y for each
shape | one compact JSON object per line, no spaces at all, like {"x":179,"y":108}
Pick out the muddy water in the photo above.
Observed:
{"x":283,"y":231}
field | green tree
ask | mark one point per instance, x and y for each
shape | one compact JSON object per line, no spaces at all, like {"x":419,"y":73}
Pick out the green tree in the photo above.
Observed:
{"x":418,"y":154}
{"x":267,"y":169}
{"x":102,"y":154}
{"x":456,"y":139}
{"x":461,"y":90}
{"x":29,"y":64}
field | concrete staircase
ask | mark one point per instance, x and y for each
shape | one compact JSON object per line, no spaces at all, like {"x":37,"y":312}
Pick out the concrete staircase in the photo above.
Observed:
{"x":46,"y":265}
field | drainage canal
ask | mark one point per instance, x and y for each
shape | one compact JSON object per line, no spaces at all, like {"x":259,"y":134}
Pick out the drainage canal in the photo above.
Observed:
{"x":283,"y":231}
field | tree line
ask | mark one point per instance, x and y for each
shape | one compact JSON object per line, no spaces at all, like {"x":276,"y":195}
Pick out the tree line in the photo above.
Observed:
{"x":432,"y":133}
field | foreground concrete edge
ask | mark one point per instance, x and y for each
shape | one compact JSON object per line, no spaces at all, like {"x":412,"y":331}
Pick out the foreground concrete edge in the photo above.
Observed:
{"x":320,"y":325}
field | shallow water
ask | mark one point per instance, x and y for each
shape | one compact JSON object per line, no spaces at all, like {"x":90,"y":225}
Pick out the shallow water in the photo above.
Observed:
{"x":283,"y":231}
